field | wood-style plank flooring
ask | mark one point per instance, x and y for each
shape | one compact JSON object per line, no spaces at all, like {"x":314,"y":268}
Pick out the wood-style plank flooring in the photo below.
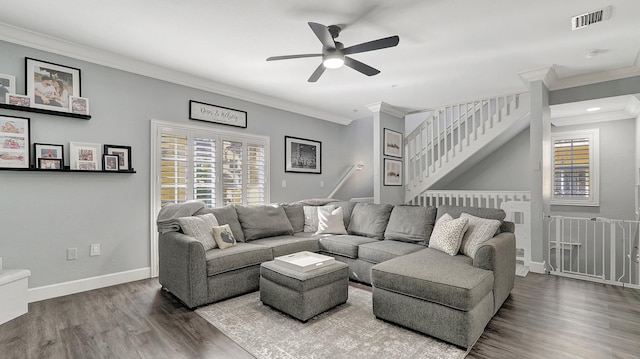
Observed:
{"x":545,"y":317}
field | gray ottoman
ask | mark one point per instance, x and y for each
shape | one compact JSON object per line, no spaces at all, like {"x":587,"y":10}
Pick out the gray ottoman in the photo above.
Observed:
{"x":303,"y":295}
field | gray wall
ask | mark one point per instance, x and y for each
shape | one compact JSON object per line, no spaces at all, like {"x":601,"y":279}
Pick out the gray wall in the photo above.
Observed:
{"x":360,"y":135}
{"x":43,"y":214}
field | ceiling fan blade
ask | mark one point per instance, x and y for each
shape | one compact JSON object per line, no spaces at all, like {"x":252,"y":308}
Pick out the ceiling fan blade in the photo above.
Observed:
{"x":287,"y":57}
{"x":317,"y":73}
{"x":372,"y":45}
{"x":322,"y":32}
{"x":361,"y":67}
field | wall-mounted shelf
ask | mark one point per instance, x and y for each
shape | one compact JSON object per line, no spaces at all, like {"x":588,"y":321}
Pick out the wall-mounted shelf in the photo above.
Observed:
{"x":44,"y":111}
{"x":65,"y":170}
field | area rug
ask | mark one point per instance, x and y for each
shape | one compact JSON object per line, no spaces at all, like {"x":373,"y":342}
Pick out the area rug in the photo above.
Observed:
{"x":347,"y":331}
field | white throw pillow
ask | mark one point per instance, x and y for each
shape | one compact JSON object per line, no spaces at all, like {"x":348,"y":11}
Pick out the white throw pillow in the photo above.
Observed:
{"x":447,"y":234}
{"x":480,"y":230}
{"x":199,"y":227}
{"x":223,"y":236}
{"x":311,"y":217}
{"x":330,"y":221}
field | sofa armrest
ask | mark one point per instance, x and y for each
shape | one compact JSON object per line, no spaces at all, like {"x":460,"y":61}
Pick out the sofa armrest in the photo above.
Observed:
{"x":183,"y":268}
{"x":499,"y":255}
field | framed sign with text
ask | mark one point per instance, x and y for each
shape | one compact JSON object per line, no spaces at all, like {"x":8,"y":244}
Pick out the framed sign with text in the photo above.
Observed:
{"x":216,"y":114}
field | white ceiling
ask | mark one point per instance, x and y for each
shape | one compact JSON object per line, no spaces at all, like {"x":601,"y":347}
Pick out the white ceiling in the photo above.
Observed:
{"x":449,"y":51}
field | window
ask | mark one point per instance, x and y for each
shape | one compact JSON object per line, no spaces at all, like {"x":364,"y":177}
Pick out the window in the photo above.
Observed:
{"x":216,"y":167}
{"x":575,"y":168}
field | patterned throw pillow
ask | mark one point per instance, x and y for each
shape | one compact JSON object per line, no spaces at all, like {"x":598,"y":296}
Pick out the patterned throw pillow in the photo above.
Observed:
{"x":447,"y":234}
{"x":330,"y":221}
{"x":199,"y":227}
{"x":480,"y":230}
{"x":223,"y":236}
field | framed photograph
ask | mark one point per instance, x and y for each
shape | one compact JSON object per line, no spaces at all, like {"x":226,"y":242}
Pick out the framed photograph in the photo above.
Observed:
{"x":79,"y":105}
{"x":15,"y":143}
{"x":85,"y":156}
{"x":17,"y":100}
{"x":50,"y":85}
{"x":50,"y":163}
{"x":302,"y":155}
{"x":124,"y":156}
{"x":393,"y":143}
{"x":201,"y":111}
{"x":7,"y":86}
{"x":48,"y":152}
{"x":392,"y":172}
{"x":110,"y":162}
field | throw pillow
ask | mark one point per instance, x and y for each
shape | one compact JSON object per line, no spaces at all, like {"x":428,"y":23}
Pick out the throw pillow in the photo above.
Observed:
{"x":311,"y":217}
{"x":223,"y":236}
{"x":330,"y":221}
{"x":480,"y":230}
{"x":369,"y":220}
{"x":199,"y":227}
{"x":412,"y":224}
{"x":447,"y":234}
{"x":263,"y":221}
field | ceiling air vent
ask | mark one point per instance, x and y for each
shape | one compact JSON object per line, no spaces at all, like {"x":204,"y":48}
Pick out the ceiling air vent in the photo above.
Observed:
{"x":583,"y":20}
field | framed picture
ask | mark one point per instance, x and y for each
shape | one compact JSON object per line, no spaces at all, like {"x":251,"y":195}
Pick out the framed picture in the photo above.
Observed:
{"x":392,"y":172}
{"x":110,"y":162}
{"x":15,"y":142}
{"x":393,"y":143}
{"x":48,"y":152}
{"x":210,"y":113}
{"x":50,"y":163}
{"x":85,"y":156}
{"x":18,"y":100}
{"x":302,"y":155}
{"x":124,"y":156}
{"x":7,"y":86}
{"x":79,"y":105}
{"x":50,"y":85}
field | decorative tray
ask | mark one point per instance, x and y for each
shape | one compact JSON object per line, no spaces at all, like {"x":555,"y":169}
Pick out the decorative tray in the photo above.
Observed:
{"x":304,"y":261}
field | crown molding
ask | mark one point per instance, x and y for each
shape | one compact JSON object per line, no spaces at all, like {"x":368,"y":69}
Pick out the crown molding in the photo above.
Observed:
{"x":90,"y":54}
{"x":546,"y":74}
{"x":630,"y":110}
{"x":597,"y":77}
{"x":384,"y":107}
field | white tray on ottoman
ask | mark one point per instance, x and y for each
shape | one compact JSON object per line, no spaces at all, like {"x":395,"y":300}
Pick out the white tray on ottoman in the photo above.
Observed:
{"x":304,"y":261}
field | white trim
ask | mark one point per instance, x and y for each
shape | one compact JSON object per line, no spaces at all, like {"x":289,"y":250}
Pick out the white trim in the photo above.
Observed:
{"x":538,"y":267}
{"x":547,"y":74}
{"x":58,"y":46}
{"x":592,"y":118}
{"x":82,"y":285}
{"x":388,"y":109}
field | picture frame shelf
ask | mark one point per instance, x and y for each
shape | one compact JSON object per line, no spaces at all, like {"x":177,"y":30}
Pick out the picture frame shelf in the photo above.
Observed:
{"x":44,"y":111}
{"x":64,"y":170}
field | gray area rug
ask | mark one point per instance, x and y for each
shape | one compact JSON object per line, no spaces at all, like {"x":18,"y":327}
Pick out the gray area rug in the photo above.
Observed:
{"x":347,"y":331}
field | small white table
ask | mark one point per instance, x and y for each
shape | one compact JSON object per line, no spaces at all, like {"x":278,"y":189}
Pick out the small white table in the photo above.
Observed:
{"x":14,"y":300}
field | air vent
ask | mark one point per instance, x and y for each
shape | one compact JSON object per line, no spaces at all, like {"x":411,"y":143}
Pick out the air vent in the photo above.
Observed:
{"x":583,"y":20}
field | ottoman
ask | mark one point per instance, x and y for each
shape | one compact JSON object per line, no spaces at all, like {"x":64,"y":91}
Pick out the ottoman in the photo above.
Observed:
{"x":303,"y":295}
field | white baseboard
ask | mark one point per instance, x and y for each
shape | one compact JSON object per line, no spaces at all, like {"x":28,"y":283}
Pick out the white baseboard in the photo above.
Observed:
{"x":82,"y":285}
{"x":538,"y":267}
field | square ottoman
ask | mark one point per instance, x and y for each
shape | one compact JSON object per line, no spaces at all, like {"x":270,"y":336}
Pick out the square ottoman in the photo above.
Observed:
{"x":303,"y":295}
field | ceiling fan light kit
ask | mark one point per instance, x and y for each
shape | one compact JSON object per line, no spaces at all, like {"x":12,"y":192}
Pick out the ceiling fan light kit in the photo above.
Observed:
{"x":333,"y":52}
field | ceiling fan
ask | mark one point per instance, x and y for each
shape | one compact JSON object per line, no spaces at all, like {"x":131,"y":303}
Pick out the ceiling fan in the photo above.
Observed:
{"x":334,"y":53}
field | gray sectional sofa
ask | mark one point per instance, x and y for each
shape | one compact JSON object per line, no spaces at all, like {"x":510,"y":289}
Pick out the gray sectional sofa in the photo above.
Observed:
{"x":450,"y":297}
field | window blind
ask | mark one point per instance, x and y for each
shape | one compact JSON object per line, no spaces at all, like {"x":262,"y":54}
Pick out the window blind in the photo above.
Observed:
{"x":572,"y":175}
{"x":173,"y":167}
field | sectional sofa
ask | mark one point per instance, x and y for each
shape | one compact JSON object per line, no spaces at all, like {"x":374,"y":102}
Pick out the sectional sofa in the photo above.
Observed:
{"x":417,"y":280}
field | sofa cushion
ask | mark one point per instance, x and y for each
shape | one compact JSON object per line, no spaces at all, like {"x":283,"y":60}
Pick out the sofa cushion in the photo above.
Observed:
{"x":295,"y":214}
{"x":343,"y":245}
{"x":447,"y":234}
{"x":480,"y":230}
{"x":223,"y":236}
{"x":330,"y":221}
{"x":263,"y":221}
{"x":369,"y":219}
{"x":412,"y":224}
{"x":201,"y":228}
{"x":239,"y":256}
{"x":283,"y":245}
{"x":380,"y":251}
{"x":226,"y":215}
{"x":436,"y":277}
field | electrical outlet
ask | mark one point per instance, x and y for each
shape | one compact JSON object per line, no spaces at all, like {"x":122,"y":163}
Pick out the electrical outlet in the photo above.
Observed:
{"x":72,"y":254}
{"x":95,"y":250}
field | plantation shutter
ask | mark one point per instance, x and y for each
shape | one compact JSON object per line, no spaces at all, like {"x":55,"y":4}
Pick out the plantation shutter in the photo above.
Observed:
{"x":173,"y":167}
{"x":256,"y":174}
{"x":204,"y":170}
{"x":572,"y":168}
{"x":232,"y":172}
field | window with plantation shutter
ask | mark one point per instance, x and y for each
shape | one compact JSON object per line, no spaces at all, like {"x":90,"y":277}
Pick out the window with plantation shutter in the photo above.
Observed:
{"x":575,"y":168}
{"x":217,"y":167}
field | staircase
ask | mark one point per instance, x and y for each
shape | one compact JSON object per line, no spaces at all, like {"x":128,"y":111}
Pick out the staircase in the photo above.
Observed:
{"x":454,"y":138}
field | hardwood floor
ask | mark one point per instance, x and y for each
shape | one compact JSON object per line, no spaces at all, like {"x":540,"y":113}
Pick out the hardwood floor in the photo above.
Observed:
{"x":545,"y":317}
